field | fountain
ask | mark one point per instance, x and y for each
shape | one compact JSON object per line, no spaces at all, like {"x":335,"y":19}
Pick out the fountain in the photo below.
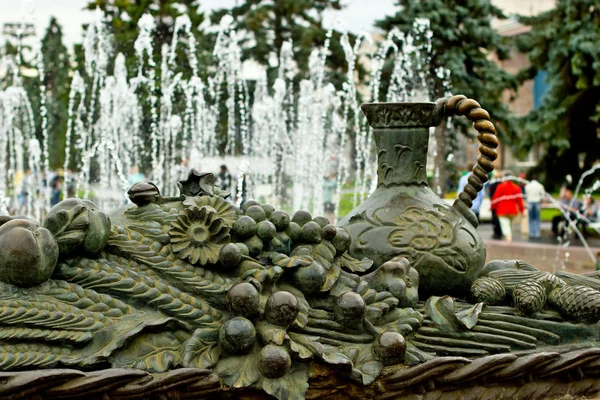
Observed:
{"x":181,"y":293}
{"x":287,"y":134}
{"x":191,"y":296}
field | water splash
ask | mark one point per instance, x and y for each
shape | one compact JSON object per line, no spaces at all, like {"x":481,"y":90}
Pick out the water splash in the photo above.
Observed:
{"x":288,"y":136}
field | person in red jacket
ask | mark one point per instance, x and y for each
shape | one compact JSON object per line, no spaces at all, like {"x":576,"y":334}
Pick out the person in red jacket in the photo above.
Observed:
{"x":507,"y":202}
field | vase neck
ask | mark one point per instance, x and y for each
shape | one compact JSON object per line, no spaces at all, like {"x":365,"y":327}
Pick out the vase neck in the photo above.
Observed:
{"x":401,"y":132}
{"x":402,"y":156}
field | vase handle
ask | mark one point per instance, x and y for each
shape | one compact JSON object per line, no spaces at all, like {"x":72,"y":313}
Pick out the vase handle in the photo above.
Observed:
{"x":461,"y":105}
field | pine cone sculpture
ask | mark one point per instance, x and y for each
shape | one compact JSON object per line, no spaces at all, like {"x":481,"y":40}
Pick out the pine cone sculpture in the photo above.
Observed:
{"x":488,"y":290}
{"x":529,"y":296}
{"x":577,"y":302}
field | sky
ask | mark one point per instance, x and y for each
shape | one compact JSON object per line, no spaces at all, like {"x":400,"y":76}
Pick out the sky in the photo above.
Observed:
{"x":358,"y":15}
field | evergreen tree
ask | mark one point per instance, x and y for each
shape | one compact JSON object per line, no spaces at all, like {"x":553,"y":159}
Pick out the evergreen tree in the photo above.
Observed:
{"x":57,"y":81}
{"x":274,"y":22}
{"x":27,"y":78}
{"x":564,"y":43}
{"x":124,"y":16}
{"x":462,"y":43}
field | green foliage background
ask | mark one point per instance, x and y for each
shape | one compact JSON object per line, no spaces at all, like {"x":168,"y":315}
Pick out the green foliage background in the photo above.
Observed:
{"x":563,"y":42}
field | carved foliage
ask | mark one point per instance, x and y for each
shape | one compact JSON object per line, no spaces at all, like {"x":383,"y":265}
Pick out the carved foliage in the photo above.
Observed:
{"x":400,"y":115}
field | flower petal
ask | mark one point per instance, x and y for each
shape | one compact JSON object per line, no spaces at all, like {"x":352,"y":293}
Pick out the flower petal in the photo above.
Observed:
{"x":180,"y":245}
{"x":216,"y":226}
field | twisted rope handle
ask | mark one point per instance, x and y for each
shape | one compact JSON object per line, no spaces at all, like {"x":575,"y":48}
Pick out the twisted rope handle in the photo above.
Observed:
{"x":461,"y":105}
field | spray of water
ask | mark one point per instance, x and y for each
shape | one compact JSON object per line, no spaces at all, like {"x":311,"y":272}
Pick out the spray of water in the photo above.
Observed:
{"x":289,"y":138}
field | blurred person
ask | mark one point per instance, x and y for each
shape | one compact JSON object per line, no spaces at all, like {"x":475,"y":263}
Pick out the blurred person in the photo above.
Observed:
{"x":508,"y":204}
{"x":569,"y":206}
{"x":223,"y":179}
{"x":496,"y":177}
{"x":180,"y":170}
{"x":522,"y":177}
{"x":589,"y":213}
{"x":56,"y":190}
{"x":70,"y":183}
{"x":534,"y":194}
{"x":25,"y":188}
{"x":329,"y":187}
{"x":462,"y":182}
{"x":135,"y":176}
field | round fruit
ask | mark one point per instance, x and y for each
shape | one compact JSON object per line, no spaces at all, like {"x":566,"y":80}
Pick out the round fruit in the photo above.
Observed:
{"x":256,"y":213}
{"x":237,"y":336}
{"x":294,"y":231}
{"x":78,"y":225}
{"x":243,"y":299}
{"x":28,"y":253}
{"x":310,"y":279}
{"x":268,"y":209}
{"x":282,"y":308}
{"x":341,"y":241}
{"x":243,"y":249}
{"x":349,"y":308}
{"x":311,"y":232}
{"x":329,"y":232}
{"x":230,"y":255}
{"x":143,"y":193}
{"x":390,"y":348}
{"x":322,"y":221}
{"x":301,"y":217}
{"x":275,"y":361}
{"x":255,"y":245}
{"x":248,"y":204}
{"x":280,"y":219}
{"x":266,"y":230}
{"x":244,"y":227}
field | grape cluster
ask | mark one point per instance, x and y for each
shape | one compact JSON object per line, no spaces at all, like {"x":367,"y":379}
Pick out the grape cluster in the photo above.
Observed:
{"x":314,"y":230}
{"x":259,"y":229}
{"x":262,"y":228}
{"x":238,"y":335}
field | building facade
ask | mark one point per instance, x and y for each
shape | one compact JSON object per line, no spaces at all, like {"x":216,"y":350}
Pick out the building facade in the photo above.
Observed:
{"x":529,"y":94}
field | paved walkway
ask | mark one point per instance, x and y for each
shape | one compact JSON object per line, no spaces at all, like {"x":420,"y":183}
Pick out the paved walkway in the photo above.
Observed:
{"x":486,"y":231}
{"x":545,"y":253}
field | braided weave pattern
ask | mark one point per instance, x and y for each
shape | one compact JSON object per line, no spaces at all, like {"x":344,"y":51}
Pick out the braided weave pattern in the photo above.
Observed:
{"x":461,"y":105}
{"x":501,"y":376}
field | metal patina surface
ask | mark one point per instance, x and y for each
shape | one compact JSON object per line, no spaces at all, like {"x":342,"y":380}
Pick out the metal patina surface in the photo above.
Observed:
{"x":191,"y":297}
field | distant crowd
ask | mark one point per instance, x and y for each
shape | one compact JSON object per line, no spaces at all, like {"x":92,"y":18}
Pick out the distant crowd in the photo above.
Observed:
{"x":514,"y":197}
{"x":29,"y":189}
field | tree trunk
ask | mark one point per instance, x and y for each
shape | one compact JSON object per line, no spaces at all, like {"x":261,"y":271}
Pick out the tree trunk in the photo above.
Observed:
{"x":278,"y":30}
{"x":439,"y":161}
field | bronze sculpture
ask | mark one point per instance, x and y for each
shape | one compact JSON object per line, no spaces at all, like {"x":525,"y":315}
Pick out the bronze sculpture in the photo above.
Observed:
{"x":193,"y":298}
